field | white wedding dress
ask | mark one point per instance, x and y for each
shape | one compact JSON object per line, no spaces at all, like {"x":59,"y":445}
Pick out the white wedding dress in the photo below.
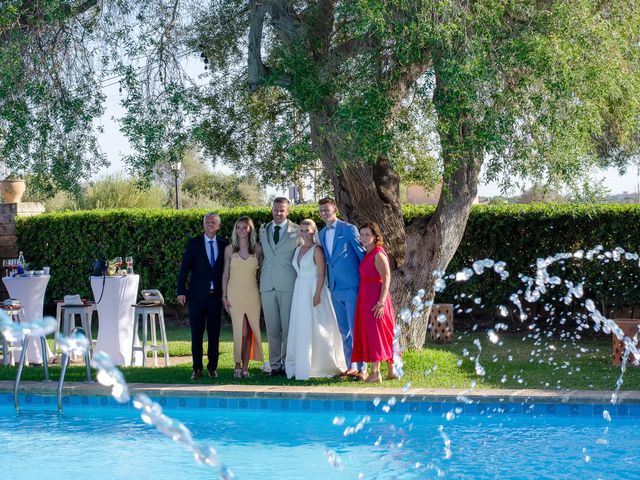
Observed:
{"x":314,"y":344}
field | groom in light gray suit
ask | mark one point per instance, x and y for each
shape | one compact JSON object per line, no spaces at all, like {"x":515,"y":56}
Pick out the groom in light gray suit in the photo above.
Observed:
{"x":279,"y":239}
{"x":343,"y":252}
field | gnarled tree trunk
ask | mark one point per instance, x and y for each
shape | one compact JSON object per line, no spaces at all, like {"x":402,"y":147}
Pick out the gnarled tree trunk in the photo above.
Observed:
{"x":366,"y":193}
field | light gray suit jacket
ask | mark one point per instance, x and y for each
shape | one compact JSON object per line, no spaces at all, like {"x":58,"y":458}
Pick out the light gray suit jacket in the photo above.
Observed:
{"x":277,"y":272}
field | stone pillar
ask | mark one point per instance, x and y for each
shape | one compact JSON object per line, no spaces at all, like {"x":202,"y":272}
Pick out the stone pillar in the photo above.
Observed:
{"x":8,"y":241}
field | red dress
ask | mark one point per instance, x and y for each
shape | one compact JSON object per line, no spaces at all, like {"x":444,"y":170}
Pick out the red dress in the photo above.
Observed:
{"x":372,"y":337}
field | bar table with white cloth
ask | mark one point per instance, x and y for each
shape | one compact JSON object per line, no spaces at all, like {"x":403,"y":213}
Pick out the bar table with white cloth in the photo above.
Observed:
{"x":30,"y":292}
{"x":115,"y":316}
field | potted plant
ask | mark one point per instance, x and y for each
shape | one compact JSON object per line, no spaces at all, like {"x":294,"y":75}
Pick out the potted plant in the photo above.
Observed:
{"x":12,"y":188}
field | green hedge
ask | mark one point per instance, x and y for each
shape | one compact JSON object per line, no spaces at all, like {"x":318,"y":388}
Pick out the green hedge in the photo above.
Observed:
{"x":516,"y":234}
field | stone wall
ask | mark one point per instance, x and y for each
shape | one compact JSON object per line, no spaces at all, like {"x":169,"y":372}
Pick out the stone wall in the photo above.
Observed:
{"x":8,"y":241}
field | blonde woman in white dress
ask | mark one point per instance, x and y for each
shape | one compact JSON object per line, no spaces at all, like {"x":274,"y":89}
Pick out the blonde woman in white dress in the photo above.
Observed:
{"x":314,"y":345}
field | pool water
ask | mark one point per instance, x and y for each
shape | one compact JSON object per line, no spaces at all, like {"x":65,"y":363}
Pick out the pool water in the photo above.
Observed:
{"x":113,"y":443}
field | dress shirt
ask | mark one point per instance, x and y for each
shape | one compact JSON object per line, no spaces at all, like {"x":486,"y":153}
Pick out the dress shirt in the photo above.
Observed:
{"x":329,"y":236}
{"x":208,"y":250}
{"x":283,"y":228}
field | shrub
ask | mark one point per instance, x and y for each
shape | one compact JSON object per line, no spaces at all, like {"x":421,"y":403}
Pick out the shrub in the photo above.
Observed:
{"x":115,"y":191}
{"x":516,"y":234}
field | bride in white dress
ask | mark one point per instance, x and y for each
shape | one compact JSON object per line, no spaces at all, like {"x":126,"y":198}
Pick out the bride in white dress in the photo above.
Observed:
{"x":314,"y":344}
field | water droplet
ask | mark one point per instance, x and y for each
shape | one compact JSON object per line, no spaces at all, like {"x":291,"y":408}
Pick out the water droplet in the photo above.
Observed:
{"x":334,"y":459}
{"x":606,"y":415}
{"x":590,"y":305}
{"x":405,"y":315}
{"x":450,"y":415}
{"x":386,"y":408}
{"x":499,"y":267}
{"x":391,"y":401}
{"x":338,"y":420}
{"x":441,"y":318}
{"x":376,"y":401}
{"x":464,"y":275}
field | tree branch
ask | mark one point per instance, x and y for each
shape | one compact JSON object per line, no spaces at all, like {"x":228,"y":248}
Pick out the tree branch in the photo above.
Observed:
{"x":257,"y":70}
{"x":286,"y":23}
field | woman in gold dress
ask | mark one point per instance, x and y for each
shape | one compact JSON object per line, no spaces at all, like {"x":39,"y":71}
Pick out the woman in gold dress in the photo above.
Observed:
{"x":241,"y":296}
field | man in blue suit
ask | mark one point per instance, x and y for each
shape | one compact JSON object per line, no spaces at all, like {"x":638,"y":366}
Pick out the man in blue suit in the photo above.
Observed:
{"x":204,"y":260}
{"x":343,"y":252}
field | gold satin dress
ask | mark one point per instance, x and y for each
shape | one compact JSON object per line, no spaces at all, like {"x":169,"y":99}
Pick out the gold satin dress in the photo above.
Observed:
{"x":244,"y":296}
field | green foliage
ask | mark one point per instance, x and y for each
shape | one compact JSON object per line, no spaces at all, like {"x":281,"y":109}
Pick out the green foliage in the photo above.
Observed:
{"x":70,"y":241}
{"x":520,"y":234}
{"x":516,"y":234}
{"x":114,"y":191}
{"x":224,"y":190}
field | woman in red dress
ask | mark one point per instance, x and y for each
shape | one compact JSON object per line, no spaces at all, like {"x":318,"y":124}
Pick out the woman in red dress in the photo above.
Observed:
{"x":374,"y":319}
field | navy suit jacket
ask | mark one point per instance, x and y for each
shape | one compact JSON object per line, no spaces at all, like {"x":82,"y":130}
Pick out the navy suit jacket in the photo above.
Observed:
{"x":196,"y":262}
{"x":344,"y":260}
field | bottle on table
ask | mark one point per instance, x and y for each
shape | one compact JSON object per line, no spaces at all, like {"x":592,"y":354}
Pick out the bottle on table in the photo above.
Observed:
{"x":129,"y":262}
{"x":21,"y":264}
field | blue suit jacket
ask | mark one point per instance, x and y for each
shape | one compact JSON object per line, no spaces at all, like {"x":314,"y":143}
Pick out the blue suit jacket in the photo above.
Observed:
{"x":196,"y":262}
{"x":344,"y":260}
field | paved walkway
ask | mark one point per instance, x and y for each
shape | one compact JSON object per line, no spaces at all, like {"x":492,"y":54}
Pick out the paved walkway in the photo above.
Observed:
{"x":324,"y":393}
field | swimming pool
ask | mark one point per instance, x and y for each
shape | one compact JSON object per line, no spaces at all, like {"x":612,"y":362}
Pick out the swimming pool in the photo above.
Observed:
{"x":288,"y":438}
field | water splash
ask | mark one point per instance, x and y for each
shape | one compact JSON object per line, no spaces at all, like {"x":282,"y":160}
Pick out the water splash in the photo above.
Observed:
{"x":109,"y":375}
{"x":15,"y":332}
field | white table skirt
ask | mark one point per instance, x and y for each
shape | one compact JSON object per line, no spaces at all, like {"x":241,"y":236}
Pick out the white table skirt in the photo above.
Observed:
{"x":115,"y":316}
{"x":30,"y":292}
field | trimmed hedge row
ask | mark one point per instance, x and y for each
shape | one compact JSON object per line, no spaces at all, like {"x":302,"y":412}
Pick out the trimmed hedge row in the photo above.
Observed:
{"x":516,"y":234}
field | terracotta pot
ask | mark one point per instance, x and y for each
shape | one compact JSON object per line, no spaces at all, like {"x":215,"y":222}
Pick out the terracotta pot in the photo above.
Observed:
{"x":12,"y":190}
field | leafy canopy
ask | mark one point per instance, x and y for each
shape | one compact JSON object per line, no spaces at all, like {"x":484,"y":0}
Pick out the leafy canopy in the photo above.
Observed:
{"x":539,"y":89}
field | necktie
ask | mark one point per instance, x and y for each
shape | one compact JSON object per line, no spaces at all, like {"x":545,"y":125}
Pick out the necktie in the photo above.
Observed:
{"x":331,"y":227}
{"x":276,"y":234}
{"x":213,"y":255}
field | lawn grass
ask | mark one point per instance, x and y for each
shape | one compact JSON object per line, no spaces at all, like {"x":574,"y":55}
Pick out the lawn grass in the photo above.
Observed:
{"x":517,"y":361}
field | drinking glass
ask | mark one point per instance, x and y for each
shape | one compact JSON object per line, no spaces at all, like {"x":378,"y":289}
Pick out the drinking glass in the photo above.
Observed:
{"x":129,"y":262}
{"x":13,"y":266}
{"x":118,"y":261}
{"x":5,"y":265}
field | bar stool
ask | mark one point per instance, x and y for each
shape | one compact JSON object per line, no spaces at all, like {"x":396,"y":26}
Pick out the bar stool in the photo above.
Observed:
{"x":148,"y":309}
{"x":68,"y":314}
{"x":16,"y":314}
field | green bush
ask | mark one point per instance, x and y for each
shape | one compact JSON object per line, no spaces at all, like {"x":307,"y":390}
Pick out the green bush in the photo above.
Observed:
{"x":69,"y":241}
{"x":116,"y":191}
{"x":516,"y":234}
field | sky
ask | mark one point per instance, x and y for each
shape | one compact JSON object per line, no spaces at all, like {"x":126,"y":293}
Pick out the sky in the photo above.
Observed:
{"x":115,"y":145}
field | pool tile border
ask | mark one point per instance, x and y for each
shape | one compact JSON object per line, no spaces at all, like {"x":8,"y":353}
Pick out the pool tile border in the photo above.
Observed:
{"x":338,"y":400}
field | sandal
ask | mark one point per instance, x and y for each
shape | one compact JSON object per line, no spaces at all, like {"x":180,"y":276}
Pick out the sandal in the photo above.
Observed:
{"x":245,"y":374}
{"x":391,"y":375}
{"x":374,"y":377}
{"x":359,"y":376}
{"x":237,"y":373}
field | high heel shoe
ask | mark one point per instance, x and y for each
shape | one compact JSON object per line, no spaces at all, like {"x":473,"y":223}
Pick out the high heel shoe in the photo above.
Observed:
{"x":245,"y":374}
{"x":374,"y":377}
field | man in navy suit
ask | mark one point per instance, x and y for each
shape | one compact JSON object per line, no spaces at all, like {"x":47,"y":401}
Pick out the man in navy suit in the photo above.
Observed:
{"x":204,"y":260}
{"x":343,"y":252}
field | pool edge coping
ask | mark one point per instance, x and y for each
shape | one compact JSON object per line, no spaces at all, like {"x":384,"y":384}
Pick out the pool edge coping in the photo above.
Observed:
{"x":331,"y":393}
